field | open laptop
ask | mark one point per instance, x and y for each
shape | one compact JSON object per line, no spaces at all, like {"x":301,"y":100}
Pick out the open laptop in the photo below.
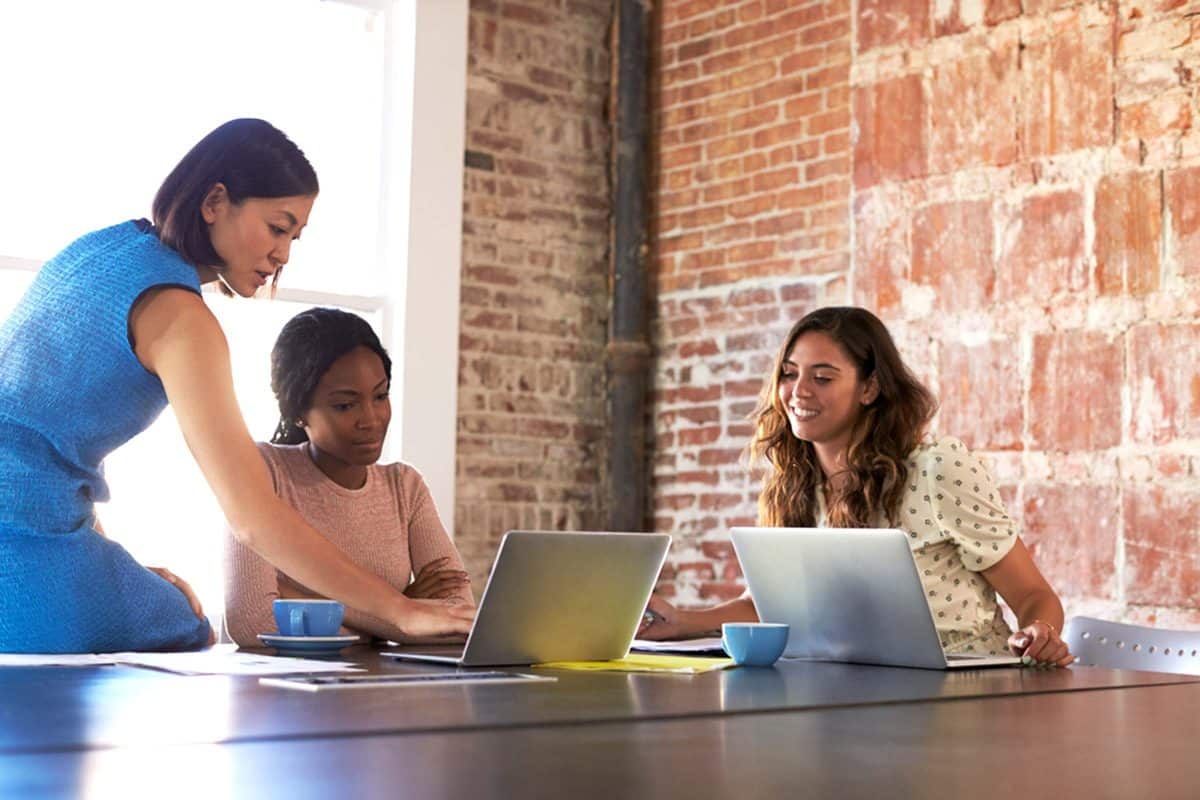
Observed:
{"x":848,"y":594}
{"x":559,"y":597}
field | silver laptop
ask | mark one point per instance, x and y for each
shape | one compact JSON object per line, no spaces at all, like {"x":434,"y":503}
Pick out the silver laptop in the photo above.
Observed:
{"x":559,"y":597}
{"x":848,"y":595}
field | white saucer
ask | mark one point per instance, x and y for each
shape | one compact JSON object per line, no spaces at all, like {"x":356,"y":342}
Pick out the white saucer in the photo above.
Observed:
{"x":306,"y":644}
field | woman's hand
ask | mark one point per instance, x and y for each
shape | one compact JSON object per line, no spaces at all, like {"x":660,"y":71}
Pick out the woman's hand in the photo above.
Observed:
{"x":193,"y":601}
{"x":421,"y":619}
{"x":1039,"y":645}
{"x":435,"y":581}
{"x":183,"y":586}
{"x":663,"y":621}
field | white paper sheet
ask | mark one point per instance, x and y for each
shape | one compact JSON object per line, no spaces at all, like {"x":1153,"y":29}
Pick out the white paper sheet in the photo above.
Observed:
{"x":710,"y":644}
{"x":222,"y":659}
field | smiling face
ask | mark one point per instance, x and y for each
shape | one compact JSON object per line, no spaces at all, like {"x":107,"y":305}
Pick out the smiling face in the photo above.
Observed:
{"x":350,"y":412}
{"x":254,"y":237}
{"x":821,"y":393}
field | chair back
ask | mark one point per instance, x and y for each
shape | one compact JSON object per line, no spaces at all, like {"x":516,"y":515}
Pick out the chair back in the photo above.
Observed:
{"x":1100,"y":643}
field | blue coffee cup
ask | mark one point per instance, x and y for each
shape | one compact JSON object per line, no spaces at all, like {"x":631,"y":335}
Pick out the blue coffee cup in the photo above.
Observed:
{"x":308,"y":617}
{"x":754,"y":644}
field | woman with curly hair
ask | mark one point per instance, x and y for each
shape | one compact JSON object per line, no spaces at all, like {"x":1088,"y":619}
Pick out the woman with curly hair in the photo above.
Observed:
{"x":840,"y":433}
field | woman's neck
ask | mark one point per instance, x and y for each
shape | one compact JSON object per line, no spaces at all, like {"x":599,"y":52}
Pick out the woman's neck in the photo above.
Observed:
{"x":207,"y":274}
{"x":832,"y":458}
{"x":346,"y":475}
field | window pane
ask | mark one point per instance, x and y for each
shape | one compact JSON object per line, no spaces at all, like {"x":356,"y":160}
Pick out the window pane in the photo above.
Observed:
{"x":162,"y":510}
{"x":95,"y":123}
{"x":13,"y":283}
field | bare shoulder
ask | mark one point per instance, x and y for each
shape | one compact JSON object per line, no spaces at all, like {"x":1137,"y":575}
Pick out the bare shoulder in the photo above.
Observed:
{"x":169,"y":316}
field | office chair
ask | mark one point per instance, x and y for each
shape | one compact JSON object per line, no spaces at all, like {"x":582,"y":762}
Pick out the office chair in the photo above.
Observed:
{"x":1100,"y":643}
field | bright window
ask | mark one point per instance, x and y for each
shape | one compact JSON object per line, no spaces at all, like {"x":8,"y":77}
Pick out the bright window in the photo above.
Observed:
{"x":110,"y":96}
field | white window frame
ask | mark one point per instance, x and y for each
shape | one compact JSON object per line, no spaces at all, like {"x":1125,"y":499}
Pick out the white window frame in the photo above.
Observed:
{"x":419,"y":307}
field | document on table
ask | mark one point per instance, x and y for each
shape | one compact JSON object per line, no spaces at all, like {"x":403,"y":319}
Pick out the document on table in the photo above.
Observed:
{"x":646,"y":662}
{"x":710,"y":644}
{"x":222,"y":659}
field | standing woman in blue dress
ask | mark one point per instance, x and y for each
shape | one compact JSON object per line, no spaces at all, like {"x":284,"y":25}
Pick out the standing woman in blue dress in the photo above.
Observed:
{"x":112,"y":329}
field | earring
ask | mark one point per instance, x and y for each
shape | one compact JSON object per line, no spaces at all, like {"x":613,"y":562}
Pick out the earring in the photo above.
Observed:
{"x":299,"y":423}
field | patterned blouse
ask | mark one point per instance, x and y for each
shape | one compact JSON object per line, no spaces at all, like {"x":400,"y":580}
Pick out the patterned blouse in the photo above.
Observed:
{"x":957,"y":527}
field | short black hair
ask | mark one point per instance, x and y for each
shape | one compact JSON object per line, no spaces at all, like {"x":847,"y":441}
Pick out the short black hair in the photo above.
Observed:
{"x":251,"y":157}
{"x":306,"y":348}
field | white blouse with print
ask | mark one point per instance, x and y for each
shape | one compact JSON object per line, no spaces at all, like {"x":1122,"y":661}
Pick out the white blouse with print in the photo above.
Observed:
{"x":957,"y":527}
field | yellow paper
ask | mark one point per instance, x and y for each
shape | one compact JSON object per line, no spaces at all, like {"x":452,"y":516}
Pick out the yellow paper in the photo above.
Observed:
{"x":647,"y":662}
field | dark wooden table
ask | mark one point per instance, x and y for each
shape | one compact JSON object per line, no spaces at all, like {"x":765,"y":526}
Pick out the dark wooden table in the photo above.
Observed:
{"x":802,"y":728}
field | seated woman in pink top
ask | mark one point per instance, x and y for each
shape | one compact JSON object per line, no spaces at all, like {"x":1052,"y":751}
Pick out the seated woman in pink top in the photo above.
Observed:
{"x":330,"y":375}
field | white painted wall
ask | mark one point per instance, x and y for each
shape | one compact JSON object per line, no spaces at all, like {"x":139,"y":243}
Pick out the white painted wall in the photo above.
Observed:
{"x":423,"y":254}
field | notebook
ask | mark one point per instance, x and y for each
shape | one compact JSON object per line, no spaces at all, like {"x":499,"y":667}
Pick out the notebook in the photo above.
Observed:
{"x":559,"y":597}
{"x":849,"y":594}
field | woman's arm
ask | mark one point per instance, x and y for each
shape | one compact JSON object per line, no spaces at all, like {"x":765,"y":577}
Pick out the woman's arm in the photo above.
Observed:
{"x":438,"y":568}
{"x":251,"y":588}
{"x":670,"y":622}
{"x":178,"y":339}
{"x":1039,"y":612}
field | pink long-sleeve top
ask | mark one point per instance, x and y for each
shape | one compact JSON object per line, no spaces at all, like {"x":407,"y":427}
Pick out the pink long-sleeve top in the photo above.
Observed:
{"x":389,"y":526}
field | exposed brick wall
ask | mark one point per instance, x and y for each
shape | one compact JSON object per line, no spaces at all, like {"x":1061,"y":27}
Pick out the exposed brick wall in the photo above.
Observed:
{"x":534,"y":281}
{"x":1017,"y":193}
{"x":751,"y":229}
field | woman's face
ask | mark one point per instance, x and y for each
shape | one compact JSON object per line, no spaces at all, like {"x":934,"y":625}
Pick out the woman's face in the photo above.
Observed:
{"x":253,"y":237}
{"x":350,"y":410}
{"x":820,"y":390}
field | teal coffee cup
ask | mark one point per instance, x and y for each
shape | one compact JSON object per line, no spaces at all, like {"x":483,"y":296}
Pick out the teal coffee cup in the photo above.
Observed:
{"x":754,"y":644}
{"x":309,"y":617}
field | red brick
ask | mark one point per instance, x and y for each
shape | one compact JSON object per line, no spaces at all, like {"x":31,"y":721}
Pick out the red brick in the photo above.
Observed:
{"x":721,"y":590}
{"x":973,"y":111}
{"x":715,"y":457}
{"x":891,"y":140}
{"x":690,"y":437}
{"x":802,"y":60}
{"x":1068,"y":91}
{"x":1162,"y":115}
{"x":729,"y":190}
{"x":1071,"y":532}
{"x":952,"y":253}
{"x":754,"y":118}
{"x":781,"y":224}
{"x":752,"y":251}
{"x":1128,"y":233}
{"x":1075,"y":391}
{"x":1183,"y":206}
{"x":754,"y":74}
{"x":997,"y":11}
{"x":1165,"y":382}
{"x":704,"y":259}
{"x":837,"y":75}
{"x":711,"y":23}
{"x":700,"y":414}
{"x":729,"y":233}
{"x":776,"y":179}
{"x":880,"y":251}
{"x":803,"y":106}
{"x":719,"y":500}
{"x":718,"y":550}
{"x":883,"y":23}
{"x":1042,"y":248}
{"x":981,"y":395}
{"x":1162,"y":545}
{"x":835,"y":120}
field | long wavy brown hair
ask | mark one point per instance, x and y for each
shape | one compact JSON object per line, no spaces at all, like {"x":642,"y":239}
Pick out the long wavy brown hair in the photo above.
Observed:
{"x":886,"y":433}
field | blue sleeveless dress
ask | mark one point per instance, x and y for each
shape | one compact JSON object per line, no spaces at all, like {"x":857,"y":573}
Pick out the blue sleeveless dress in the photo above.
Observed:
{"x":72,"y":391}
